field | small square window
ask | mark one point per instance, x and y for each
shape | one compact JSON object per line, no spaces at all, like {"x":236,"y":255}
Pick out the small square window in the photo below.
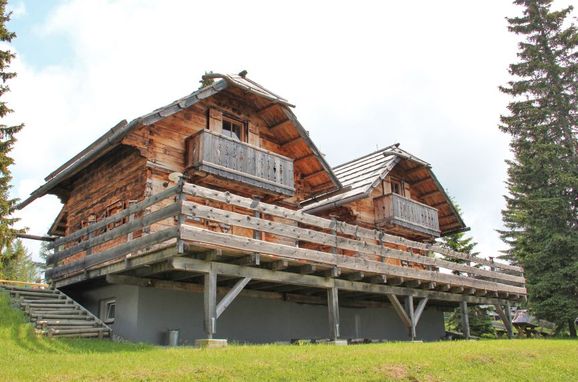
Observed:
{"x":233,"y":129}
{"x":108,"y":310}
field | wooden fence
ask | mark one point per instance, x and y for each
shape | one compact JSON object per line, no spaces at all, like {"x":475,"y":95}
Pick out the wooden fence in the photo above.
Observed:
{"x":336,"y":244}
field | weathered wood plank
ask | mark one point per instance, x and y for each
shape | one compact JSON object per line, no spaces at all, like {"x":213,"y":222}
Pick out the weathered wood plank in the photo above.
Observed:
{"x":343,"y":228}
{"x":113,"y":253}
{"x":231,"y":295}
{"x":122,"y":230}
{"x":240,"y":220}
{"x":116,"y":217}
{"x":353,"y":263}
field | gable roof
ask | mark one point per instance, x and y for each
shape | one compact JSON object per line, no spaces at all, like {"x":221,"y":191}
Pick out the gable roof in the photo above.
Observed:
{"x":113,"y":138}
{"x":360,"y":176}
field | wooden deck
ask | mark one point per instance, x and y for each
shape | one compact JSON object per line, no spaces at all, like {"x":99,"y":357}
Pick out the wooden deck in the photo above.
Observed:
{"x":197,"y":225}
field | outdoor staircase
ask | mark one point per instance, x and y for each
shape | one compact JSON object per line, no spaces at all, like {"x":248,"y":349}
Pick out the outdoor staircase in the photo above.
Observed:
{"x":54,"y":314}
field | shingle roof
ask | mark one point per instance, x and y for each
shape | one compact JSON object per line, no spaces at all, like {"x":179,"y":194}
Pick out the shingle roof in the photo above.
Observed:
{"x":361,"y":175}
{"x":114,"y":136}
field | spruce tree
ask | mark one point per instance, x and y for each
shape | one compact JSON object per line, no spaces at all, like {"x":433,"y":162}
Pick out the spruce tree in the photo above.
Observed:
{"x":541,"y":215}
{"x":7,"y":136}
{"x":16,"y":263}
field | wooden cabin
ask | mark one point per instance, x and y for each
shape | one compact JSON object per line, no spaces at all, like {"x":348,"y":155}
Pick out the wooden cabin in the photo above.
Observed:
{"x":191,"y":215}
{"x":392,"y":190}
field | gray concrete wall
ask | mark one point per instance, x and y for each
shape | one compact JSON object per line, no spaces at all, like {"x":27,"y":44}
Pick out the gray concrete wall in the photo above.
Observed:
{"x":146,"y":314}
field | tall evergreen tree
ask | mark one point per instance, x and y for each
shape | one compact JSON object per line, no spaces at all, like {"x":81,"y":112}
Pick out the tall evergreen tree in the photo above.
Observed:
{"x":16,"y":263}
{"x":541,"y":215}
{"x":7,"y":135}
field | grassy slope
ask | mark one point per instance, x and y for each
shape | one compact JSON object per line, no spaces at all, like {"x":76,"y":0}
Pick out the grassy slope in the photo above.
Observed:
{"x":23,"y":356}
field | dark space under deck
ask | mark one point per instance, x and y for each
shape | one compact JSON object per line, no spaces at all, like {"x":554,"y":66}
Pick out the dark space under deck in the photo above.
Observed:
{"x":163,"y":291}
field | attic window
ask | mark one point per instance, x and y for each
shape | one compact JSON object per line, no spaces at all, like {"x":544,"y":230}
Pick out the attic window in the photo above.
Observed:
{"x":396,"y":187}
{"x":234,"y":129}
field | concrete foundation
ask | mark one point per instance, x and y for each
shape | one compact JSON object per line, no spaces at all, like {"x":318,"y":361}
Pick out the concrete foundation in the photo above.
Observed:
{"x":210,"y":343}
{"x":147,"y":315}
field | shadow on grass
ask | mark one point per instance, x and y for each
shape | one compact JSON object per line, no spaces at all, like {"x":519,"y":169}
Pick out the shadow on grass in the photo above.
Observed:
{"x":16,"y":330}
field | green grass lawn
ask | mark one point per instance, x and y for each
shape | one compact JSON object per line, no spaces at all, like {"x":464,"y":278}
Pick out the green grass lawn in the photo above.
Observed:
{"x":24,"y":356}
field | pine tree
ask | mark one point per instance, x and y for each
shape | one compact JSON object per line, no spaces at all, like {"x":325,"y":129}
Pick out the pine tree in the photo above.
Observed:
{"x":541,"y":215}
{"x":16,"y":263}
{"x":7,"y":136}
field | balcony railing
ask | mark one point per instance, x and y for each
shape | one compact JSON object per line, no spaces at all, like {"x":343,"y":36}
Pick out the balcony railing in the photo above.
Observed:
{"x":227,"y":158}
{"x":162,"y":228}
{"x":394,"y":209}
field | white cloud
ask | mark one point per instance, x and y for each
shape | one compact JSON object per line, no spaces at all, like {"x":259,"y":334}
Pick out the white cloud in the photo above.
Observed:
{"x":18,"y":9}
{"x":361,"y":74}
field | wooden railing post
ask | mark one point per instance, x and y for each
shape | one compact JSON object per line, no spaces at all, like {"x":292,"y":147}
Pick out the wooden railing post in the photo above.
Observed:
{"x":180,"y":199}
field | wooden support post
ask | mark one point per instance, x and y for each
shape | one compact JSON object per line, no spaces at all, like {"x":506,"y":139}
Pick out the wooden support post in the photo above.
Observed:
{"x":333,"y":310}
{"x":505,"y":316}
{"x":411,"y":314}
{"x":508,"y":322}
{"x":399,"y":310}
{"x":210,"y":297}
{"x":465,"y":320}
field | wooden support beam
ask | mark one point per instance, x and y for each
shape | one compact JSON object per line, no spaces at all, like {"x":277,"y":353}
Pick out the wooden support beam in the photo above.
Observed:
{"x":421,"y":182}
{"x":333,"y":311}
{"x":308,"y":269}
{"x":212,"y":255}
{"x":231,"y":295}
{"x":210,"y":303}
{"x":281,"y":125}
{"x":333,"y":272}
{"x":414,"y":170}
{"x":305,"y":157}
{"x":377,"y":279}
{"x":420,"y":308}
{"x":279,"y":265}
{"x":313,"y":175}
{"x":465,"y":319}
{"x":395,"y":280}
{"x":412,"y":283}
{"x":252,"y":259}
{"x":458,"y":289}
{"x":280,"y":277}
{"x":399,"y":310}
{"x":428,"y":194}
{"x":291,"y":142}
{"x":430,"y":285}
{"x":445,"y":287}
{"x":355,"y":276}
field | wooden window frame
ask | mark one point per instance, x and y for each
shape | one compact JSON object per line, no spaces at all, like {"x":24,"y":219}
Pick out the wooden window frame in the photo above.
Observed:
{"x":236,"y":121}
{"x":107,"y":311}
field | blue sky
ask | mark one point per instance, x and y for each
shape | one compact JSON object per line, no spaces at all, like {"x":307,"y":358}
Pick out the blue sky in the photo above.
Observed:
{"x":362,"y":75}
{"x":38,"y":49}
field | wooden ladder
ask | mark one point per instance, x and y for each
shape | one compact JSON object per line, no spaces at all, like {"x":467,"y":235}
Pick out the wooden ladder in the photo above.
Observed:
{"x":54,"y":314}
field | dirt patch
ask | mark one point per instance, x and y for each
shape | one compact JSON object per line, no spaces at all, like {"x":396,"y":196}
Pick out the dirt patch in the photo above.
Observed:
{"x":394,"y":371}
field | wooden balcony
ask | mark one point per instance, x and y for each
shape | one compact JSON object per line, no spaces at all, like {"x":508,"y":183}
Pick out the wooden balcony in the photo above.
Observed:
{"x":227,"y":158}
{"x":396,"y":210}
{"x":189,"y":228}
